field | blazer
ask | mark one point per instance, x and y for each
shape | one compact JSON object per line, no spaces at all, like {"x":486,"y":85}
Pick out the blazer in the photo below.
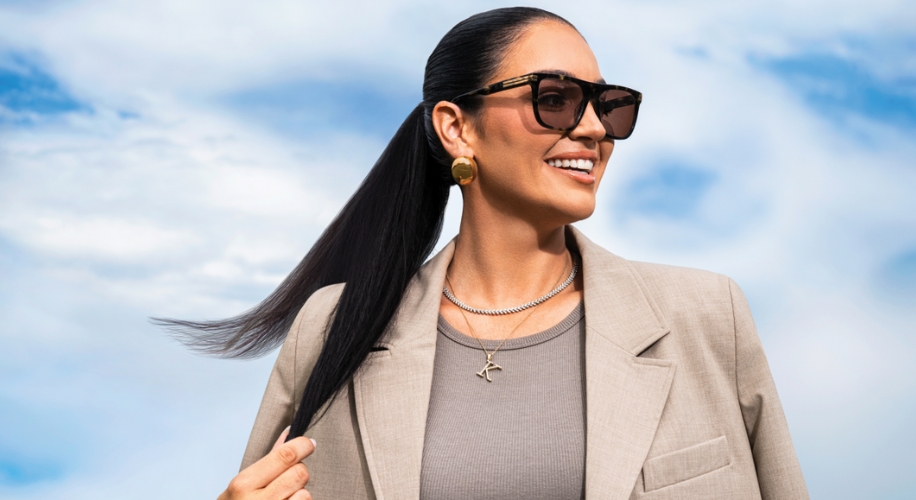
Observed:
{"x":680,"y":402}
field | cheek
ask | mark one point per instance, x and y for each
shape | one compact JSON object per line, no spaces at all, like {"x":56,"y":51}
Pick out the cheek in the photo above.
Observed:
{"x":607,"y":149}
{"x":512,"y":139}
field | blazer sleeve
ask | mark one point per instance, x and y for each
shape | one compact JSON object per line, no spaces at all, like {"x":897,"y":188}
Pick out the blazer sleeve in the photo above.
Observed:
{"x":276,"y":411}
{"x":290,"y":373}
{"x":778,"y":472}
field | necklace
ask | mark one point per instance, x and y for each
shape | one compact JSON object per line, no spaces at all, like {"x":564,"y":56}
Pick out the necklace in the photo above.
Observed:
{"x":485,"y":371}
{"x":512,"y":310}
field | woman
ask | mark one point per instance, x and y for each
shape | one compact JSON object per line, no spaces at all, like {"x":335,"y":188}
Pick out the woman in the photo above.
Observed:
{"x":523,"y":361}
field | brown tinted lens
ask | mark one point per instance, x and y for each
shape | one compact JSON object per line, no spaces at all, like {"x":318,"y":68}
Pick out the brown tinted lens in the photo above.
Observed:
{"x":558,"y":102}
{"x":618,"y":108}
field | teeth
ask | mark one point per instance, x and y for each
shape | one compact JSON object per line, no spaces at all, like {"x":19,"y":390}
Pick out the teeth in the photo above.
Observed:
{"x":585,"y":165}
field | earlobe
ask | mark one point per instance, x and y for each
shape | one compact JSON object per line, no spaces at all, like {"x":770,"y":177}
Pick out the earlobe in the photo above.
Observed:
{"x":464,"y":170}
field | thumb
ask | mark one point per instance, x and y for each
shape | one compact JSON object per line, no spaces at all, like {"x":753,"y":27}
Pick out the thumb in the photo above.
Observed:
{"x":281,"y":439}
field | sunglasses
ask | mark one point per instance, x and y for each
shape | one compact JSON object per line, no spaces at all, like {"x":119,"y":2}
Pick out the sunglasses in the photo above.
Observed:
{"x":560,"y":101}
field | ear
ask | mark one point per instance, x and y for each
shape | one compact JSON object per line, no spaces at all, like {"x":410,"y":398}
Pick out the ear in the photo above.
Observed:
{"x":454,"y":129}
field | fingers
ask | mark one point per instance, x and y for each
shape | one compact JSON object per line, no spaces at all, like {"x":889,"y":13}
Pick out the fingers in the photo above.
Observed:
{"x":289,"y":483}
{"x":301,"y":495}
{"x":282,"y":458}
{"x":281,"y":439}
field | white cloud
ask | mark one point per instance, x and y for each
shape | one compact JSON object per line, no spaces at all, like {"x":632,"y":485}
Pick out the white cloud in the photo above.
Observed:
{"x":189,"y":211}
{"x":262,"y":192}
{"x":99,"y":237}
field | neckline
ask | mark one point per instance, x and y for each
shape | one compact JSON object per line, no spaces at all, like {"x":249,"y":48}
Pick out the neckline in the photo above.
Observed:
{"x":563,"y":326}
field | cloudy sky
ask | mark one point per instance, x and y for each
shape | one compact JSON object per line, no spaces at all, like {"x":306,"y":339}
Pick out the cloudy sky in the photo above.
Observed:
{"x":176,"y":158}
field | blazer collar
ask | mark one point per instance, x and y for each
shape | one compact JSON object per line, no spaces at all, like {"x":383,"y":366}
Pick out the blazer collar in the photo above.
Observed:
{"x":625,"y":394}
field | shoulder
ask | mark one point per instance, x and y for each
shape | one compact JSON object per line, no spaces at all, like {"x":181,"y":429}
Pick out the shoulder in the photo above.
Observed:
{"x":314,"y":315}
{"x":705,"y":313}
{"x":667,"y":282}
{"x":700,"y":313}
{"x":679,"y":296}
{"x":690,"y":295}
{"x":661,"y":280}
{"x":322,"y":302}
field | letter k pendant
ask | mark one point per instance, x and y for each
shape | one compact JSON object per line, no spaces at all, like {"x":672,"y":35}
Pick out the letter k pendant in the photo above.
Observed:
{"x":485,"y":372}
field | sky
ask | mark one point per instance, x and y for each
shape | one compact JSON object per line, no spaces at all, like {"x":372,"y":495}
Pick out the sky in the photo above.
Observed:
{"x":177,"y":158}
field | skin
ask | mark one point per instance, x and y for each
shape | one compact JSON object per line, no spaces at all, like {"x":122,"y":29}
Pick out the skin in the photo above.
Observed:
{"x":511,"y":246}
{"x":279,"y":475}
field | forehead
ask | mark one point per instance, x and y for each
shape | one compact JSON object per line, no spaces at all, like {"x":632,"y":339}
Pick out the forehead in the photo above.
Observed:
{"x":548,"y":46}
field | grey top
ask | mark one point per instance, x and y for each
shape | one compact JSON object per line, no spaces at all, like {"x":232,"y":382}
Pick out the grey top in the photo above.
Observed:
{"x":520,"y":436}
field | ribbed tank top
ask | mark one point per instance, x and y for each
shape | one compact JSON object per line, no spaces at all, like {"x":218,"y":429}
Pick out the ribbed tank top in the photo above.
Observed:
{"x":520,"y":436}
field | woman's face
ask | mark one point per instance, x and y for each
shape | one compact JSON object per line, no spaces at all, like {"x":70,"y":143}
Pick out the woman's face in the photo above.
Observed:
{"x":514,"y":152}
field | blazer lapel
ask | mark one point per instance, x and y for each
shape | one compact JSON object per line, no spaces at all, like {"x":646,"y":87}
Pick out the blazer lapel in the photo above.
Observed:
{"x":392,"y":388}
{"x":625,"y":394}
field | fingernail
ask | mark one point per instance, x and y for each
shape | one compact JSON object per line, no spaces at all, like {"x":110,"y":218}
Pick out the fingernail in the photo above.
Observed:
{"x":288,"y":427}
{"x":314,"y":444}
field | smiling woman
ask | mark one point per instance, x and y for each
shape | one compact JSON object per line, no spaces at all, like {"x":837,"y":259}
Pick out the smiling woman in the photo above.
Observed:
{"x":522,"y":361}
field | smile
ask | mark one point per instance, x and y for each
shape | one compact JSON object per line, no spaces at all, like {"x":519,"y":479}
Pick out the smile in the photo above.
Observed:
{"x":584,"y":165}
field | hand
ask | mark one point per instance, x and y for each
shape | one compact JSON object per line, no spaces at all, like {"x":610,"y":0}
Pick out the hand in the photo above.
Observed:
{"x":280,"y":475}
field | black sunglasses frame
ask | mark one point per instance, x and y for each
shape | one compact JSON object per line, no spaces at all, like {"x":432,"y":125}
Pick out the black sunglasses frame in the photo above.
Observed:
{"x":590,"y":93}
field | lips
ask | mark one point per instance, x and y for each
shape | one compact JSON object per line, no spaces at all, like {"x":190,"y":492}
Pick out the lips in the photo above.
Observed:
{"x":572,"y":164}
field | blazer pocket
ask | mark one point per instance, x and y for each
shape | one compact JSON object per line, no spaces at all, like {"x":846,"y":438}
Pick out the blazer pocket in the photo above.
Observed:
{"x":688,"y":463}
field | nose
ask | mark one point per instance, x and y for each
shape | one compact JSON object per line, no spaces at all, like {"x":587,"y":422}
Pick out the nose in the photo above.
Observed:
{"x":589,"y":127}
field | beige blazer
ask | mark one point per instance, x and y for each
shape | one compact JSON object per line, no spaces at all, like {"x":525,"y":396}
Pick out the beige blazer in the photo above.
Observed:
{"x":680,"y":403}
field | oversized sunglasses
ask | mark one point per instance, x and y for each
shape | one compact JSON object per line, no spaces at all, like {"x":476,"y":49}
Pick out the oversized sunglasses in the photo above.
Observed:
{"x":560,"y":101}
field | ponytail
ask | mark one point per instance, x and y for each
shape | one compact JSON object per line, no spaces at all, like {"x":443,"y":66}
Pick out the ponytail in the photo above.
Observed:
{"x":378,"y":242}
{"x":375,"y":245}
{"x":382,"y":235}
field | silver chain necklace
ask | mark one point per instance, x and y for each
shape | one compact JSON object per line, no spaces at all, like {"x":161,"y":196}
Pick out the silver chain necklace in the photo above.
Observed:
{"x":511,"y":310}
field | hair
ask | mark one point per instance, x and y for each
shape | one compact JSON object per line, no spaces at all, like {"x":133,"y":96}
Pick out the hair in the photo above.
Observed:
{"x":382,"y":235}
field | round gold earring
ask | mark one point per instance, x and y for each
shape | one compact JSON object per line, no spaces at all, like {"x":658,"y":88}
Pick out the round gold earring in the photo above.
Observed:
{"x":464,"y":170}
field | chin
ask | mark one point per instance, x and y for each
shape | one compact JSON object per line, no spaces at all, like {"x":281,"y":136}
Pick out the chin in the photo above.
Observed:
{"x":585,"y":214}
{"x":582,"y":206}
{"x":575,"y":213}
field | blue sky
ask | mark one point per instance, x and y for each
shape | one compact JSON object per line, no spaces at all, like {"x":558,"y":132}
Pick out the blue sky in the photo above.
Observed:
{"x":836,"y":84}
{"x":365,"y":104}
{"x":177,"y":158}
{"x":28,"y":90}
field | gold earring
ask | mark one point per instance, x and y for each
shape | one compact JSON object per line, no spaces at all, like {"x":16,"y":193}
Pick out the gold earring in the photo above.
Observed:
{"x":464,"y":170}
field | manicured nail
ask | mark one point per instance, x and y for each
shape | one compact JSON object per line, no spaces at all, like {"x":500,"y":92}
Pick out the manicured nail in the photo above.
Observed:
{"x":314,"y":444}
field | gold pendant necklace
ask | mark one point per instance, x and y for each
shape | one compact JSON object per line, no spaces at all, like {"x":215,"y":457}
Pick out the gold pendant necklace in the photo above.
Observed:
{"x":485,"y":371}
{"x":489,"y":366}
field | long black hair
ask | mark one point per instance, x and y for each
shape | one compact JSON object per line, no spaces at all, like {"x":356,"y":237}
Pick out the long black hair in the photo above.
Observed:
{"x":383,"y":234}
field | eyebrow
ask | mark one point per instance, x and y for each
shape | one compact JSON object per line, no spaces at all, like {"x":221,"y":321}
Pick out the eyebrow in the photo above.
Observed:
{"x":565,"y":73}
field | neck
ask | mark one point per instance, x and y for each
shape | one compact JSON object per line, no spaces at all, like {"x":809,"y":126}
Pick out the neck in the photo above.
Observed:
{"x":503,"y":262}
